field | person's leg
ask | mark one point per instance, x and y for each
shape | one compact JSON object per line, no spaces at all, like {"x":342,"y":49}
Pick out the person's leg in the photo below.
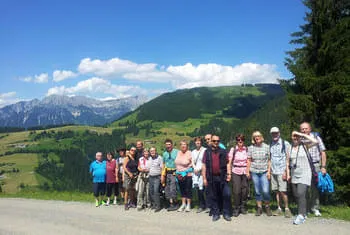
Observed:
{"x":109,"y":192}
{"x":96,"y":194}
{"x":182,"y":186}
{"x":147,"y":197}
{"x":213,"y":190}
{"x":102,"y":192}
{"x":300,"y":191}
{"x":265,"y":185}
{"x":156,"y":193}
{"x":315,"y":195}
{"x":151,"y":190}
{"x":226,"y":199}
{"x":237,"y":193}
{"x":140,"y":193}
{"x":258,"y":193}
{"x":201,"y":198}
{"x":275,"y":188}
{"x":188,"y":192}
{"x":244,"y":195}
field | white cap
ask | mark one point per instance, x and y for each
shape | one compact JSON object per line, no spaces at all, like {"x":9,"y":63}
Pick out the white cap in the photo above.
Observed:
{"x":274,"y":130}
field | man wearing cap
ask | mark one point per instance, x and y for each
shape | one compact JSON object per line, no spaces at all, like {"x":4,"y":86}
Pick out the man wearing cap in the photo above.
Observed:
{"x":280,"y":150}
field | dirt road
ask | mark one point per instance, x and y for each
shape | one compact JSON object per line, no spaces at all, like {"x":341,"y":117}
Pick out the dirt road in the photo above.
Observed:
{"x":23,"y":216}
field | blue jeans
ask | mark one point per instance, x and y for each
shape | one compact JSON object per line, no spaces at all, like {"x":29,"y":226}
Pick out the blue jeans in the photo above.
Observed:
{"x":261,"y":186}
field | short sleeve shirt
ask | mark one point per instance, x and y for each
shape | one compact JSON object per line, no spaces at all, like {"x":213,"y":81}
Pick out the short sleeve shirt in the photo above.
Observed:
{"x":315,"y":150}
{"x":259,"y":157}
{"x":169,"y":158}
{"x":279,"y":156}
{"x":98,"y":171}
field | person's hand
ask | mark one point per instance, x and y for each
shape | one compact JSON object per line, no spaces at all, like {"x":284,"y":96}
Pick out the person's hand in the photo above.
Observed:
{"x":248,"y":174}
{"x":288,"y":177}
{"x":131,"y":175}
{"x":196,"y":172}
{"x":117,"y":179}
{"x":205,"y":182}
{"x":323,"y":170}
{"x":162,"y":180}
{"x":228,"y":178}
{"x":268,"y":175}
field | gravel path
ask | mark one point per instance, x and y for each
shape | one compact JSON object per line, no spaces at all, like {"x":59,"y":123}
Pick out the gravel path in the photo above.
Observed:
{"x":24,"y":216}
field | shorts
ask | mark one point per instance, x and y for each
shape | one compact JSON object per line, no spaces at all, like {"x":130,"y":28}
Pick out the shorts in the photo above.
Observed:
{"x":129,"y":183}
{"x":278,"y":184}
{"x":99,"y":189}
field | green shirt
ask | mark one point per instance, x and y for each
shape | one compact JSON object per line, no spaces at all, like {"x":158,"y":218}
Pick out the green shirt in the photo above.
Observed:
{"x":169,"y":158}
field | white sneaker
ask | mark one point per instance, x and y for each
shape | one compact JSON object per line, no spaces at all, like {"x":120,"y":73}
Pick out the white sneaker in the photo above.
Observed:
{"x":316,"y":212}
{"x":115,"y":202}
{"x":188,"y":208}
{"x":300,"y":219}
{"x":182,"y":208}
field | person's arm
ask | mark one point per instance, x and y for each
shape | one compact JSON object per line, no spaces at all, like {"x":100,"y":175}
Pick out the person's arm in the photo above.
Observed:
{"x":126,"y":171}
{"x":323,"y":162}
{"x":308,"y":137}
{"x":139,"y":166}
{"x":287,"y":162}
{"x":116,"y":171}
{"x":204,"y":175}
{"x":228,"y":168}
{"x":269,"y":167}
{"x":249,"y":161}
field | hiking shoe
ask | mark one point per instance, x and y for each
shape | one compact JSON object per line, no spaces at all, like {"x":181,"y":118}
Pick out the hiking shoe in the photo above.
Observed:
{"x":243,"y":210}
{"x":277,"y":212}
{"x":126,"y":207}
{"x":103,"y":203}
{"x":157,"y":209}
{"x":115,"y":202}
{"x":258,"y":211}
{"x":216,"y":218}
{"x":235,"y":212}
{"x":287,"y":213}
{"x":227,"y":218}
{"x":268,"y":211}
{"x":188,"y":208}
{"x":182,"y":208}
{"x":97,"y":204}
{"x":299,"y":220}
{"x":200,"y":209}
{"x":172,"y":207}
{"x":316,"y":212}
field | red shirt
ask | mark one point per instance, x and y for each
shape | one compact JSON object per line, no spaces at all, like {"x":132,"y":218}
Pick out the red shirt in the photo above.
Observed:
{"x":111,"y":165}
{"x":215,"y":162}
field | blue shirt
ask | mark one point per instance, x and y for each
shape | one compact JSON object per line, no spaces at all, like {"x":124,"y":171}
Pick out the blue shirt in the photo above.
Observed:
{"x":169,"y":158}
{"x":278,"y":157}
{"x":98,"y":171}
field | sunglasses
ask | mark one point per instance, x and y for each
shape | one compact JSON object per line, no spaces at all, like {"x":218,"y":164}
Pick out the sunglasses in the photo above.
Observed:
{"x":240,"y":140}
{"x":215,"y":141}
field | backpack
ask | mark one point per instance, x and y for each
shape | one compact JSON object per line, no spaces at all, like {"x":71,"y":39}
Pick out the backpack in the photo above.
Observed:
{"x":283,"y":149}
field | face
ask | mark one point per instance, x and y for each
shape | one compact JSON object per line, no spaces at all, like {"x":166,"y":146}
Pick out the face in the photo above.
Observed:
{"x":169,"y":146}
{"x":145,"y":154}
{"x":305,"y":128}
{"x":208,"y":139}
{"x":295,"y":139}
{"x":183,"y":146}
{"x":132,"y":151}
{"x":139,"y":145}
{"x":240,"y":142}
{"x":121,"y":153}
{"x":258,"y":139}
{"x":198,"y":144}
{"x":109,"y":157}
{"x":275,"y":135}
{"x":99,"y":157}
{"x":215,"y":140}
{"x":152,"y":151}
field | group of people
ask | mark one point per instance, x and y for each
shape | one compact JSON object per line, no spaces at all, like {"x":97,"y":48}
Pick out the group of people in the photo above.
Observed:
{"x":139,"y":174}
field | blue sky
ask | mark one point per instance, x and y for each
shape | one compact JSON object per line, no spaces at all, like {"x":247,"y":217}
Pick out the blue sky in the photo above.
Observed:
{"x":113,"y":49}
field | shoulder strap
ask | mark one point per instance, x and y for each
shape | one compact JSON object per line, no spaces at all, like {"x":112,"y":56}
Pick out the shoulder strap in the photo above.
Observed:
{"x":313,"y":170}
{"x":283,"y":150}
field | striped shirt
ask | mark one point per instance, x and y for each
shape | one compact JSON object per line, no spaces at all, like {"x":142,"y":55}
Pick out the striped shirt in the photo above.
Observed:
{"x":259,"y":157}
{"x":278,"y":157}
{"x":156,"y":165}
{"x":315,"y":151}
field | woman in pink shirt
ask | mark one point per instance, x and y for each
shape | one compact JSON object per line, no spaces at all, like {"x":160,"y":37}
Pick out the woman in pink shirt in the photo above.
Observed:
{"x":112,"y":178}
{"x":238,"y":157}
{"x":184,"y":171}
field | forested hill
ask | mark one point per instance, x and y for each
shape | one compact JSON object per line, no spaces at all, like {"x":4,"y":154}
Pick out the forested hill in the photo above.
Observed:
{"x":231,"y":101}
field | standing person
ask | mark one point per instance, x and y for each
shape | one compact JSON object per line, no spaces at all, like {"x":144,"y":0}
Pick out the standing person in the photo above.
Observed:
{"x":238,"y":157}
{"x":156,"y":167}
{"x":259,"y":168}
{"x":319,"y":160}
{"x":139,"y":150}
{"x":98,"y":171}
{"x":280,"y":174}
{"x":130,"y":178}
{"x":184,"y":169}
{"x":197,"y":178}
{"x":142,"y":185}
{"x":216,"y":172}
{"x":120,"y":161}
{"x":301,"y":172}
{"x":169,"y":174}
{"x":112,"y":178}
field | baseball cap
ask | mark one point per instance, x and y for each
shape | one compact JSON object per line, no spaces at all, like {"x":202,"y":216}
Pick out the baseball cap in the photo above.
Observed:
{"x":274,"y":130}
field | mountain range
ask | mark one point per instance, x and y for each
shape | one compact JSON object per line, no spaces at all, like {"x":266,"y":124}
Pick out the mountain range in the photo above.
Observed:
{"x":60,"y":110}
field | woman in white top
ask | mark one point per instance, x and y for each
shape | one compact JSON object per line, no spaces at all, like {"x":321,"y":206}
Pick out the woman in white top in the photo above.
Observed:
{"x":197,"y":179}
{"x":300,"y":171}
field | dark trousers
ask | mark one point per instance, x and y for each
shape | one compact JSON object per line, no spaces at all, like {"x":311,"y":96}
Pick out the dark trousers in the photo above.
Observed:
{"x":112,"y":187}
{"x":219,"y":194}
{"x":201,"y":198}
{"x":154,"y":183}
{"x":185,"y":185}
{"x":240,"y":190}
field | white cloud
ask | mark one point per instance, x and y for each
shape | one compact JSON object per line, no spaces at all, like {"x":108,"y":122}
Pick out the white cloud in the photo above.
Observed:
{"x":8,"y":98}
{"x":26,"y":79}
{"x":97,"y":85}
{"x":60,"y":75}
{"x":112,"y":67}
{"x":42,"y":78}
